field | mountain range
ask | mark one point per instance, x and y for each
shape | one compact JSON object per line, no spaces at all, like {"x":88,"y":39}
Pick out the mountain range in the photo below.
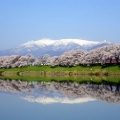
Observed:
{"x":53,"y":47}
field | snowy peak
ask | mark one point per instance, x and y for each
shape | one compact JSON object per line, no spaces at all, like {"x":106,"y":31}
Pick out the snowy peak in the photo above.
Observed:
{"x":47,"y":42}
{"x":78,"y":41}
{"x":53,"y":47}
{"x":42,"y":42}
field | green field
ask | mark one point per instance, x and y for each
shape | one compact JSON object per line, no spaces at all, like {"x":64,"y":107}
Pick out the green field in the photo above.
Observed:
{"x":81,"y":74}
{"x":58,"y":68}
{"x":93,"y":70}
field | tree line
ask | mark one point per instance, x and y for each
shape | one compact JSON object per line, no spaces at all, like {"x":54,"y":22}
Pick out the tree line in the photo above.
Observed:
{"x":105,"y":55}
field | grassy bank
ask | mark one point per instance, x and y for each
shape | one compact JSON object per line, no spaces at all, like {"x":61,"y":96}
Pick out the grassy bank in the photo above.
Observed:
{"x":81,"y":74}
{"x":79,"y":79}
{"x":78,"y":70}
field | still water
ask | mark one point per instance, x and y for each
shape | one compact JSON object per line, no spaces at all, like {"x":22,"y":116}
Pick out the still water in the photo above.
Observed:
{"x":20,"y":100}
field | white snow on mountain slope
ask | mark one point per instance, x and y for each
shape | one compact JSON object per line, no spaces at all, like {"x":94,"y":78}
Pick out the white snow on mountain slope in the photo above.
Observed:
{"x":42,"y":42}
{"x":53,"y":47}
{"x":47,"y":42}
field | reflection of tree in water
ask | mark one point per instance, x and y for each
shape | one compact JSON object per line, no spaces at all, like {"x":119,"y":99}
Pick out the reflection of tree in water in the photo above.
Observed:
{"x":105,"y":92}
{"x":109,"y":87}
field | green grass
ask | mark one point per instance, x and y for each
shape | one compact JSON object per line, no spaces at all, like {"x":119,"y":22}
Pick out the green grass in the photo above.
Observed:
{"x":58,"y":68}
{"x":79,"y":79}
{"x":45,"y":68}
{"x":81,"y":74}
{"x":48,"y":70}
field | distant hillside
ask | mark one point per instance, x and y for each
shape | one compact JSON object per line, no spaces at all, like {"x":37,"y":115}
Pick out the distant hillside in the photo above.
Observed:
{"x":53,"y":47}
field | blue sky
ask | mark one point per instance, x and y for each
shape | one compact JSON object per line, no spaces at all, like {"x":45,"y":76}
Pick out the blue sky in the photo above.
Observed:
{"x":25,"y":20}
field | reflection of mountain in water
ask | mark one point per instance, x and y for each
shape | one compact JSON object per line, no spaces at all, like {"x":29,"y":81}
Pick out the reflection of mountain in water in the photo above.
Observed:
{"x":65,"y":92}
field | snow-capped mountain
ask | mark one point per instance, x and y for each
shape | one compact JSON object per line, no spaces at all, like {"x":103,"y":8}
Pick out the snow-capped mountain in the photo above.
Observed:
{"x":53,"y":47}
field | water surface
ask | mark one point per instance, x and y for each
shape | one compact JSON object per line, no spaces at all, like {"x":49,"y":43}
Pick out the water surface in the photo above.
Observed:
{"x":22,"y":100}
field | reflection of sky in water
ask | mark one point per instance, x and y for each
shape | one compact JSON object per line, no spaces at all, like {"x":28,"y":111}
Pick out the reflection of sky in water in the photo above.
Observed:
{"x":13,"y":108}
{"x":36,"y":99}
